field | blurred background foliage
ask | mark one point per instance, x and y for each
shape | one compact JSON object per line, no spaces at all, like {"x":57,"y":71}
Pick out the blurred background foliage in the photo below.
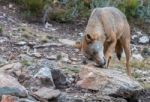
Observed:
{"x":70,"y":10}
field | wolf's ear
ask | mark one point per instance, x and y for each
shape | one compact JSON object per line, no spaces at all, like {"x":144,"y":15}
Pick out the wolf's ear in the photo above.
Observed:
{"x":88,"y":38}
{"x":78,"y":45}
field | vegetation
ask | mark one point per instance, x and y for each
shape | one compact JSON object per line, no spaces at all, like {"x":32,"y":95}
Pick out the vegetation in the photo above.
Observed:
{"x":68,"y":10}
{"x":1,"y":30}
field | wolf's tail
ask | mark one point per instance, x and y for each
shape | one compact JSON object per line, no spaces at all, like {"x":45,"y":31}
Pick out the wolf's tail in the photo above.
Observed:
{"x":118,"y":49}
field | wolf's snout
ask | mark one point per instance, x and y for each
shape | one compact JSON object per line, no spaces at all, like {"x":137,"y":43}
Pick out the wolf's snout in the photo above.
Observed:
{"x":102,"y":62}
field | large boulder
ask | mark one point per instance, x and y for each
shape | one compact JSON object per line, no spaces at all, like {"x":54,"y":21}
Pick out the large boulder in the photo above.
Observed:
{"x":68,"y":97}
{"x":47,"y":93}
{"x":107,"y":81}
{"x":59,"y":78}
{"x":10,"y":86}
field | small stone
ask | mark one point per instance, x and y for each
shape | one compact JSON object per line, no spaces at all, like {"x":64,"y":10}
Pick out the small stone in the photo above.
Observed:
{"x":53,"y":29}
{"x":134,"y":39}
{"x":47,"y":25}
{"x":139,"y":32}
{"x":77,"y":50}
{"x":36,"y":54}
{"x":80,"y":34}
{"x":59,"y":78}
{"x":64,"y":57}
{"x":48,"y":45}
{"x":21,"y":43}
{"x":137,"y":57}
{"x":52,"y":57}
{"x":3,"y":60}
{"x":10,"y":6}
{"x":3,"y":39}
{"x":32,"y":43}
{"x":25,"y":57}
{"x":47,"y":93}
{"x":74,"y":59}
{"x":144,"y":40}
{"x":67,"y":42}
{"x":8,"y":98}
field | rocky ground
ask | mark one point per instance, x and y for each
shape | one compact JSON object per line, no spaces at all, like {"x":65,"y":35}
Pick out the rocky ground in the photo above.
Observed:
{"x":39,"y":64}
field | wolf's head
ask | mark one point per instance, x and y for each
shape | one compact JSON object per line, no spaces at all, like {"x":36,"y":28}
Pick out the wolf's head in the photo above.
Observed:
{"x":92,"y":47}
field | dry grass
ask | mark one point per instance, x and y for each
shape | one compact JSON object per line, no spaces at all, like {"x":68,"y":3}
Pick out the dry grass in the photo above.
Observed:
{"x":145,"y":64}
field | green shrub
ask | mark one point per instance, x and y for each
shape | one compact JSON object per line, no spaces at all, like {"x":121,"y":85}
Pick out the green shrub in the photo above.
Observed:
{"x":68,"y":10}
{"x":32,"y":8}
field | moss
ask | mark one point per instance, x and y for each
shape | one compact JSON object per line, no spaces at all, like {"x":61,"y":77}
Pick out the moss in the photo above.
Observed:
{"x":1,"y":30}
{"x":26,"y":63}
{"x":146,"y":85}
{"x":44,"y":39}
{"x":59,"y":57}
{"x":71,"y":70}
{"x":146,"y":52}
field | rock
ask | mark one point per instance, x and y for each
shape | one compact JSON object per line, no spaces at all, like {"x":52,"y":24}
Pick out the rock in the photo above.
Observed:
{"x":47,"y":25}
{"x":44,"y":74}
{"x":140,"y":96}
{"x":74,"y":59}
{"x":47,"y":93}
{"x":139,"y":32}
{"x":31,"y":44}
{"x":3,"y":61}
{"x":64,"y":57}
{"x":146,"y":52}
{"x":137,"y":57}
{"x":12,"y":69}
{"x":2,"y":15}
{"x":10,"y":6}
{"x":80,"y":34}
{"x":59,"y":78}
{"x":21,"y":43}
{"x":134,"y":49}
{"x":25,"y":57}
{"x":26,"y":100}
{"x":52,"y":57}
{"x":69,"y":98}
{"x":144,"y":40}
{"x":3,"y":39}
{"x":47,"y":63}
{"x":94,"y":80}
{"x":65,"y":97}
{"x":48,"y":45}
{"x":109,"y":99}
{"x":36,"y":54}
{"x":8,"y":98}
{"x":67,"y":42}
{"x":134,"y":39}
{"x":142,"y":72}
{"x":107,"y":81}
{"x":10,"y":86}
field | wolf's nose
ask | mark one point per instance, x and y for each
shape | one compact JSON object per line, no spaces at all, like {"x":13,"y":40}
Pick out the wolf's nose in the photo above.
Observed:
{"x":102,"y":62}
